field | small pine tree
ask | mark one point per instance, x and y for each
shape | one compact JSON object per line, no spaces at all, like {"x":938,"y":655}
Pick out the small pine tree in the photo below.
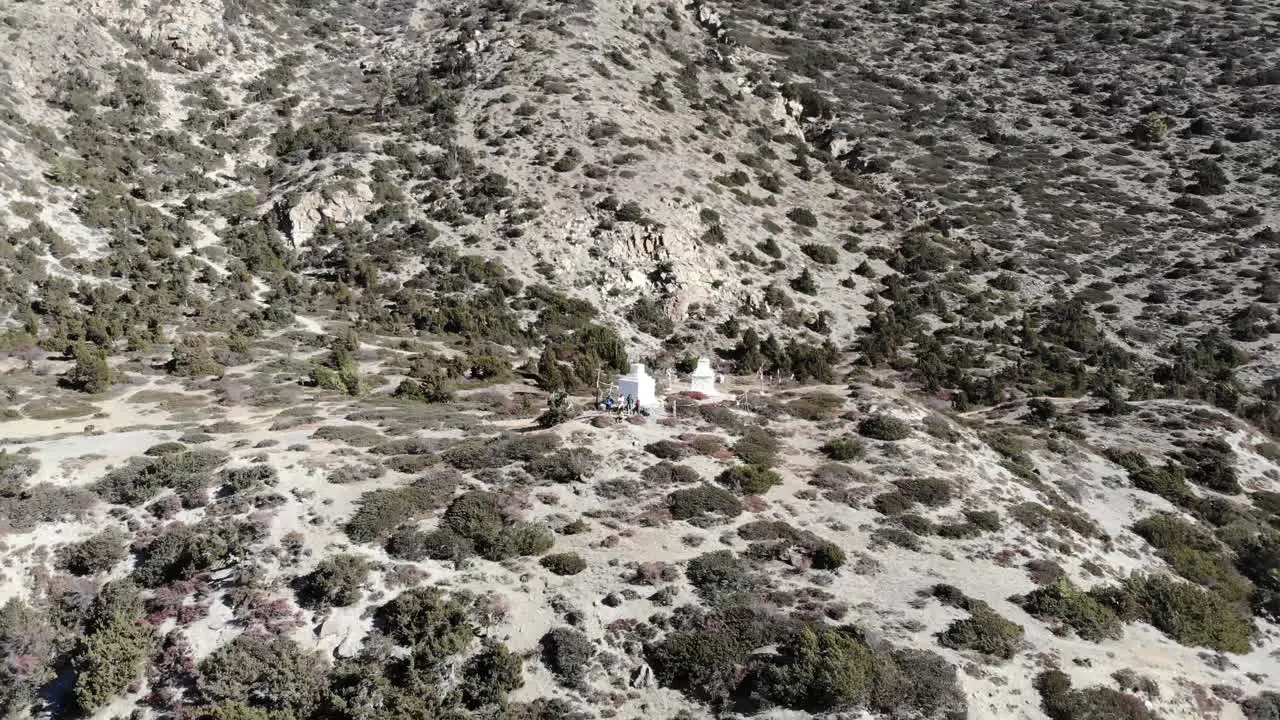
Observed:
{"x":91,"y":373}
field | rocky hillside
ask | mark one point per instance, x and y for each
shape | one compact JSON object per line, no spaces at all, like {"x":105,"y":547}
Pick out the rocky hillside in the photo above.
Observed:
{"x":304,"y":306}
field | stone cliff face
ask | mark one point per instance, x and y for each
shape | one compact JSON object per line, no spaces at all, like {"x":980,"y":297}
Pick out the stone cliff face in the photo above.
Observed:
{"x":299,"y":217}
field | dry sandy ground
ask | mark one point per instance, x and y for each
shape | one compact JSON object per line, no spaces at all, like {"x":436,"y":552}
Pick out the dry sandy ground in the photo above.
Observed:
{"x":884,"y":600}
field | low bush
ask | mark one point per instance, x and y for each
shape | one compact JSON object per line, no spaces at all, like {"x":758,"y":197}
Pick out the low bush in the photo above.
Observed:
{"x":1191,"y":615}
{"x":820,"y":670}
{"x":15,"y":469}
{"x":335,"y":581}
{"x":354,"y":435}
{"x":567,"y":653}
{"x":248,"y":478}
{"x":1263,"y":706}
{"x":143,"y":478}
{"x":564,"y":466}
{"x":988,"y":520}
{"x":668,"y":473}
{"x":182,"y":551}
{"x":821,"y":254}
{"x":28,"y":507}
{"x":749,"y":479}
{"x":568,"y":563}
{"x":1061,"y":702}
{"x":1073,"y":608}
{"x":1168,"y":481}
{"x":929,"y":491}
{"x":114,"y":650}
{"x":892,"y":503}
{"x":96,"y":554}
{"x":815,"y":406}
{"x":897,"y":536}
{"x":480,"y":519}
{"x":382,"y":511}
{"x":1195,"y":555}
{"x":984,"y":631}
{"x":884,"y":427}
{"x":28,"y":646}
{"x":1212,"y":465}
{"x":757,"y":447}
{"x":669,"y":450}
{"x":844,"y":448}
{"x":165,"y":448}
{"x":427,"y":622}
{"x":703,"y":502}
{"x":489,"y":676}
{"x":823,"y":669}
{"x":720,"y":576}
{"x":264,"y":672}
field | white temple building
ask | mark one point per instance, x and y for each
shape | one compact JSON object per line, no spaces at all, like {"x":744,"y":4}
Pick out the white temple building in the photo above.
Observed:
{"x":703,"y":378}
{"x":639,"y":385}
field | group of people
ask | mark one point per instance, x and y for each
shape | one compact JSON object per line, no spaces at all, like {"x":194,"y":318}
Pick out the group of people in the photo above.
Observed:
{"x":627,"y":405}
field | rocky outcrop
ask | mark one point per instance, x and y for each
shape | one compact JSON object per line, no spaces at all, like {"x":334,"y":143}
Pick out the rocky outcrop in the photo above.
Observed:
{"x":190,"y":28}
{"x":299,"y":218}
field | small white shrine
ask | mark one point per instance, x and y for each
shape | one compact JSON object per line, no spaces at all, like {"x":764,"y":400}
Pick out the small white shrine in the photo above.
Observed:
{"x":639,"y":385}
{"x":703,"y":378}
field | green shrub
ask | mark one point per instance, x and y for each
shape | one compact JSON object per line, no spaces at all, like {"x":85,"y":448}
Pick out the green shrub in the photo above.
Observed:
{"x":749,"y":479}
{"x":165,"y":448}
{"x":96,"y":554}
{"x":984,"y":631}
{"x":820,"y":671}
{"x":930,"y":491}
{"x":815,"y":406}
{"x":988,"y":520}
{"x":114,"y":650}
{"x":702,"y":502}
{"x":490,"y":675}
{"x":1195,"y":555}
{"x":844,"y":448}
{"x":1169,"y":482}
{"x":564,"y":466}
{"x":354,"y":435}
{"x":264,"y":672}
{"x":821,"y":254}
{"x":192,"y":358}
{"x":1189,"y":614}
{"x":757,"y":447}
{"x":884,"y":427}
{"x":335,"y":581}
{"x":14,"y":471}
{"x":669,"y":450}
{"x":564,"y":563}
{"x":803,"y":217}
{"x":720,"y":576}
{"x":91,"y":373}
{"x":430,"y":390}
{"x":1070,"y":607}
{"x":567,"y":653}
{"x":183,"y":551}
{"x":827,"y":556}
{"x":27,"y":654}
{"x":479,"y":518}
{"x":382,"y":511}
{"x":1061,"y":702}
{"x":424,"y":620}
{"x":667,"y":473}
{"x":892,"y":503}
{"x":143,"y":478}
{"x":1212,"y":465}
